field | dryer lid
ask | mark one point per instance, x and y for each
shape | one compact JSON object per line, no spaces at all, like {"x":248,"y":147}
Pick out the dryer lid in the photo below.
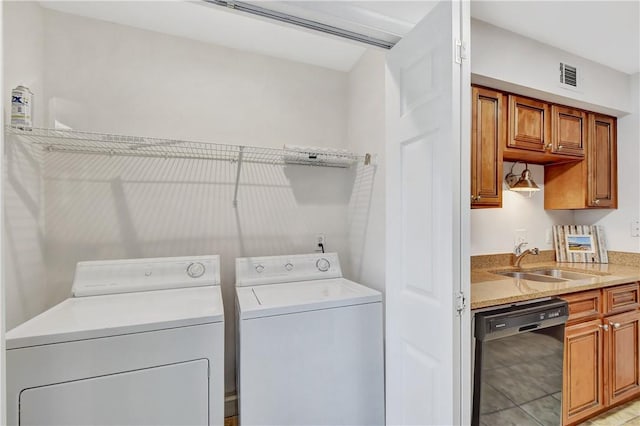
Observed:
{"x":79,"y":318}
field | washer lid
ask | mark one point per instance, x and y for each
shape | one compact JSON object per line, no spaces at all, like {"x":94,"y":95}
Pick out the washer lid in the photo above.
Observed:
{"x":79,"y":318}
{"x":286,"y":298}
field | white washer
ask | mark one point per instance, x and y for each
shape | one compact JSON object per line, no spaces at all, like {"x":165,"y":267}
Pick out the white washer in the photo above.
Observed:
{"x":310,"y":343}
{"x":141,"y":342}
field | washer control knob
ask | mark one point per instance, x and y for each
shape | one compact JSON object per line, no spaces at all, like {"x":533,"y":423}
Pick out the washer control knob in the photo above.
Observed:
{"x":259,"y":268}
{"x":323,"y":265}
{"x":195,"y":270}
{"x":288,"y":266}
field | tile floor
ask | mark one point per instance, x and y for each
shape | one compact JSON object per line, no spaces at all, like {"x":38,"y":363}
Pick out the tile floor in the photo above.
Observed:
{"x":627,"y":415}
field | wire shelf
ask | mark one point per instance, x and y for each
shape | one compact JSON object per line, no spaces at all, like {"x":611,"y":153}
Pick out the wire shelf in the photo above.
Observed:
{"x":74,"y":141}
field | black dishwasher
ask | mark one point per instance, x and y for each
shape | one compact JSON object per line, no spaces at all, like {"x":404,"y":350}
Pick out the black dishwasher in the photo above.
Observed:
{"x":518,"y":364}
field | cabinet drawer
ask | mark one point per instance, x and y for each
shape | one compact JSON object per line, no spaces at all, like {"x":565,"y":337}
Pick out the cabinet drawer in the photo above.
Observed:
{"x":583,"y":306}
{"x":621,"y":298}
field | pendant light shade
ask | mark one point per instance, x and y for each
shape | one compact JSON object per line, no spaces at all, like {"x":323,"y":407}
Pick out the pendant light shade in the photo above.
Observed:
{"x":522,"y":183}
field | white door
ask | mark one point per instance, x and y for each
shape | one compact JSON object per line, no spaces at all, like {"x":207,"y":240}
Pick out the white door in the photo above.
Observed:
{"x":428,"y":120}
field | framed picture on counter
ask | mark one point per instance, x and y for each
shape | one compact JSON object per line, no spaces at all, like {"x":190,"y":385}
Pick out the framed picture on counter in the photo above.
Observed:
{"x":579,"y":244}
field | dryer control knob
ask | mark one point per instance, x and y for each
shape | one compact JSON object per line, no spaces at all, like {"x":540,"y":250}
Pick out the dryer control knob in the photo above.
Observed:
{"x":288,"y":266}
{"x":323,"y":265}
{"x":195,"y":270}
{"x":259,"y":268}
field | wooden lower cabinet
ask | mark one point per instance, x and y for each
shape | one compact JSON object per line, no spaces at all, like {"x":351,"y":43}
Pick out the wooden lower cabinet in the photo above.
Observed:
{"x":602,"y":352}
{"x":582,"y":393}
{"x":621,"y":356}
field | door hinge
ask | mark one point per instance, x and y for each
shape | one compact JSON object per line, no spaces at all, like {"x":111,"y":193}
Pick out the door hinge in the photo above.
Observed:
{"x":461,"y":303}
{"x":461,"y":51}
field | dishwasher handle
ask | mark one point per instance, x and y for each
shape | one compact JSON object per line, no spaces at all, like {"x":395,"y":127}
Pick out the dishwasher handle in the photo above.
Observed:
{"x":528,"y":327}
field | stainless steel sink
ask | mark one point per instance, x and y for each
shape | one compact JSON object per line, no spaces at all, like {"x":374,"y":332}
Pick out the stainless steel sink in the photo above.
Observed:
{"x":545,"y":275}
{"x":529,"y":276}
{"x":559,"y":273}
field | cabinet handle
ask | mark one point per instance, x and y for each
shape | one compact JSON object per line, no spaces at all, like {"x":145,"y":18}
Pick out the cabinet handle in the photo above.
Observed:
{"x":605,"y":327}
{"x":615,"y":324}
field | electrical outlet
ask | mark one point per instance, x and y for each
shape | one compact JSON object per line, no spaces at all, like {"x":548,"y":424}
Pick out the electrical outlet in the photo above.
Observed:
{"x":520,"y":236}
{"x":635,"y":228}
{"x":549,"y":236}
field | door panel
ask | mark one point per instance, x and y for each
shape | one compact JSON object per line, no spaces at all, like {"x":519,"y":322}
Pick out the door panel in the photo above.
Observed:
{"x":583,"y":381}
{"x":569,"y":131}
{"x":487,"y":139}
{"x":175,"y":394}
{"x":528,"y":124}
{"x":623,"y":359}
{"x":602,"y":162}
{"x":424,"y":168}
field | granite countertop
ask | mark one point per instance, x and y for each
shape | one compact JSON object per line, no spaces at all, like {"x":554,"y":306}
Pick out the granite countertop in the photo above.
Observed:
{"x":489,"y":289}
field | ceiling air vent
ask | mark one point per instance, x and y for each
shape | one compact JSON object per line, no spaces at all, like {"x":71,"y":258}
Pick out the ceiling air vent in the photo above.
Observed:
{"x":568,"y":75}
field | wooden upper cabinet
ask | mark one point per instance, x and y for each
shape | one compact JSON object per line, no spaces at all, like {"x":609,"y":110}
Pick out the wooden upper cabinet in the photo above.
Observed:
{"x":487,"y":135}
{"x":568,"y":131}
{"x":528,"y":124}
{"x":582,"y":393}
{"x":592,"y":182}
{"x":602,"y":162}
{"x":543,"y":133}
{"x":621,"y":356}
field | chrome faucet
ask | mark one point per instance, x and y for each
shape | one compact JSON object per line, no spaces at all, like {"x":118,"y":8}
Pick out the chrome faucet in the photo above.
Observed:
{"x":520,"y":254}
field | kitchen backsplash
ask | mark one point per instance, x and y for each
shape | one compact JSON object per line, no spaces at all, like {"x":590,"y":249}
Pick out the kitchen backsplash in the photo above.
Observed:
{"x":506,"y":259}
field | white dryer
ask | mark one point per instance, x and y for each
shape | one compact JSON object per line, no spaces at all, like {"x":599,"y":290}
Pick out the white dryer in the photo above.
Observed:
{"x":141,"y":342}
{"x":310,"y":345}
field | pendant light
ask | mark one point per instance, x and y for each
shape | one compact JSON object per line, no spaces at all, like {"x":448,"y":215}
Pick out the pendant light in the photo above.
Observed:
{"x":522,"y":183}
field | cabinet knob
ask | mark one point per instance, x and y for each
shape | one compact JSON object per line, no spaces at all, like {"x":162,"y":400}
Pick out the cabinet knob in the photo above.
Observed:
{"x":549,"y":146}
{"x":596,"y":202}
{"x":605,"y":327}
{"x":560,"y":147}
{"x":473,"y":198}
{"x":615,"y":324}
{"x":478,"y":197}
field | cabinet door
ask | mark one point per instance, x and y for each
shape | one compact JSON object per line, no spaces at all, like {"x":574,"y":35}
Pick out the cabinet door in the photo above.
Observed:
{"x":528,"y":124}
{"x":583,"y":377}
{"x":487,"y":137}
{"x":602,"y":173}
{"x":621,"y":356}
{"x":569,"y":131}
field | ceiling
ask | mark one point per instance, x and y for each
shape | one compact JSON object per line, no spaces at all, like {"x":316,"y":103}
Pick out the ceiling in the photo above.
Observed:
{"x":607,"y":32}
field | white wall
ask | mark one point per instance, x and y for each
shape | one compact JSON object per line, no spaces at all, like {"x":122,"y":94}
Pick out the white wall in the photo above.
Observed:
{"x":366,"y":133}
{"x":493,"y":230}
{"x":26,"y":290}
{"x":508,"y":61}
{"x":120,"y":79}
{"x":110,"y":78}
{"x":617,"y":223}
